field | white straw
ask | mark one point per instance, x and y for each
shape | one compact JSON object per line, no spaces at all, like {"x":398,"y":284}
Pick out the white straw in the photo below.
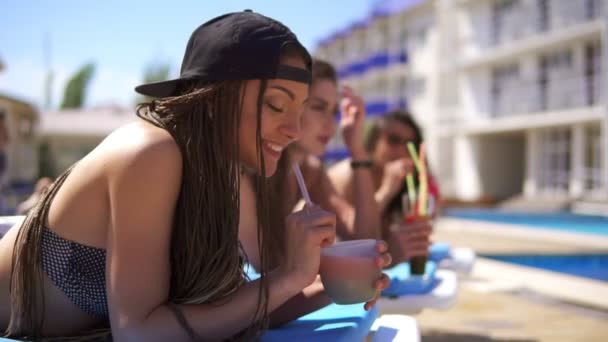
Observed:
{"x":300,"y":179}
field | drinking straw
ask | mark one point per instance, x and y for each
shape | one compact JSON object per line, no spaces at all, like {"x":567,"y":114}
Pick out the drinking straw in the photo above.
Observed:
{"x":411,"y":191}
{"x":423,"y":192}
{"x":412,"y":149}
{"x":296,"y":169}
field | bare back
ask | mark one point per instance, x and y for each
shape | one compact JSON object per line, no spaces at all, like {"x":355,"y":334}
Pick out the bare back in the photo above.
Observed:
{"x":80,"y":212}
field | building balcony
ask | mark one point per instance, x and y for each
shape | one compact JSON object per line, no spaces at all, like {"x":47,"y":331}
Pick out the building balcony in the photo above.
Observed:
{"x":518,"y":122}
{"x":375,"y":61}
{"x":553,"y":95}
{"x":377,"y":108}
{"x":524,"y":106}
{"x":526,"y":22}
{"x":524,"y":38}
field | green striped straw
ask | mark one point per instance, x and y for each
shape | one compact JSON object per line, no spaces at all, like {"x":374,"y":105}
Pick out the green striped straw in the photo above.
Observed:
{"x":411,"y":190}
{"x":412,"y":149}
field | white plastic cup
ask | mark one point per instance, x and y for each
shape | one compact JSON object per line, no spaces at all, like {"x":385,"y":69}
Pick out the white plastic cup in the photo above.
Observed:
{"x":349,"y":271}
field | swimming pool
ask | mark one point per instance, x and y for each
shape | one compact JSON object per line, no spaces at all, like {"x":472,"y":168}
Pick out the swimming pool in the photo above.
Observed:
{"x":593,"y":266}
{"x":563,"y":221}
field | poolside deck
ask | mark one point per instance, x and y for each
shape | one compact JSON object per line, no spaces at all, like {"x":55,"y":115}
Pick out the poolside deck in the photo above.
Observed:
{"x":516,"y":316}
{"x":506,"y":302}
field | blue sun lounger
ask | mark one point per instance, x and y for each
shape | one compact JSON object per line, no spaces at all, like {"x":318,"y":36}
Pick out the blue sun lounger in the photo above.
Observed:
{"x":403,"y":283}
{"x":460,"y":259}
{"x":333,"y":323}
{"x":436,"y":289}
{"x":439,"y":251}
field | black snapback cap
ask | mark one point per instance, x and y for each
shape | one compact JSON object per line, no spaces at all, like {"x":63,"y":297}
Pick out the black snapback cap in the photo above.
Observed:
{"x":235,"y":46}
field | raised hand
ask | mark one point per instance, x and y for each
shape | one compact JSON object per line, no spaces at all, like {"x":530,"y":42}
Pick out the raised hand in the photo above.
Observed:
{"x":352,"y":121}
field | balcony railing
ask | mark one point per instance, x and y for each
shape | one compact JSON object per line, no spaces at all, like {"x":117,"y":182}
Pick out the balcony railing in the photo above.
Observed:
{"x":556,"y":94}
{"x":593,"y":178}
{"x":527,"y":21}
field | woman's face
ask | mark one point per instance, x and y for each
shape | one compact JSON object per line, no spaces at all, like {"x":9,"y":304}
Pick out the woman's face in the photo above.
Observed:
{"x":392,"y":142}
{"x":282,"y":106}
{"x":319,"y":117}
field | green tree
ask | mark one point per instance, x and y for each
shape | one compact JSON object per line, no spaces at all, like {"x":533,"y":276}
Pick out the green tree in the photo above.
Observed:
{"x":77,"y":86}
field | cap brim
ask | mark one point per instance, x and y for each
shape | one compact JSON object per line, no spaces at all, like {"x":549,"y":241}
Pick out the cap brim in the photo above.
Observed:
{"x":159,"y":89}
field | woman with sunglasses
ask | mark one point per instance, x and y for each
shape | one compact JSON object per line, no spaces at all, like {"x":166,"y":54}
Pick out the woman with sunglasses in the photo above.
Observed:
{"x":386,"y":144}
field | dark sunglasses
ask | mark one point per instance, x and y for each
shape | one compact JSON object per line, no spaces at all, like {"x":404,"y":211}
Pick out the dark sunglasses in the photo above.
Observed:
{"x":395,"y":140}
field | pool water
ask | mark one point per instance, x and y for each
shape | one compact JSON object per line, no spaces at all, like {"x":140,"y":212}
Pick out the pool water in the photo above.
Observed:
{"x":593,"y":266}
{"x":563,"y":221}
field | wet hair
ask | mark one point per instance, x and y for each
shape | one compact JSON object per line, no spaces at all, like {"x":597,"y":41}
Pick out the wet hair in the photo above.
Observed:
{"x":206,"y":256}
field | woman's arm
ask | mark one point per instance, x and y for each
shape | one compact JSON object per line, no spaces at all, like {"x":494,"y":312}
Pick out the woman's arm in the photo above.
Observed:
{"x":367,"y":212}
{"x":312,"y":298}
{"x":361,"y":219}
{"x":358,"y":221}
{"x":143,"y":190}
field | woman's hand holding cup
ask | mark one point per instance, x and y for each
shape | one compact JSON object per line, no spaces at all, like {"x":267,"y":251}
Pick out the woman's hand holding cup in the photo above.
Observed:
{"x":414,"y":237}
{"x":307,"y":231}
{"x":382,"y":260}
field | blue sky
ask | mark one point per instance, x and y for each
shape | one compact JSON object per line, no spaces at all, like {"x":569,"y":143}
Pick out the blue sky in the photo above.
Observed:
{"x":122,"y":37}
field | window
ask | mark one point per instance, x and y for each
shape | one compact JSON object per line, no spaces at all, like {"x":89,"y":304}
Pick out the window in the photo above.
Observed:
{"x":419,"y":36}
{"x":505,"y":82}
{"x":339,"y":53}
{"x":593,"y":158}
{"x":554,"y":166}
{"x":403,"y":91}
{"x":417,"y":33}
{"x":416,"y":87}
{"x":505,"y":25}
{"x":592,"y":73}
{"x":403,"y":35}
{"x":560,"y":60}
{"x":593,"y":9}
{"x":571,"y":12}
{"x":543,"y":15}
{"x":380,"y":35}
{"x":559,"y":85}
{"x":380,"y":88}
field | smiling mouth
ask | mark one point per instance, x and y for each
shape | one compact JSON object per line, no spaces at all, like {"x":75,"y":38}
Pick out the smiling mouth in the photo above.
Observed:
{"x":274,"y":150}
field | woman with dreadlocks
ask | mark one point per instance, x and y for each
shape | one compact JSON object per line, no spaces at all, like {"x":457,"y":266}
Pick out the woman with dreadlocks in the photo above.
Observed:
{"x":141,"y":235}
{"x":361,"y":220}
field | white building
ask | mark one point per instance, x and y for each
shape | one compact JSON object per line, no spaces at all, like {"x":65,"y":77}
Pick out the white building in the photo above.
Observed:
{"x":66,"y":136}
{"x":510,"y":93}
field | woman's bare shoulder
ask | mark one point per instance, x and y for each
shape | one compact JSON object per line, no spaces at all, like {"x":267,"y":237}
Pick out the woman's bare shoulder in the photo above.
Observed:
{"x":141,"y":143}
